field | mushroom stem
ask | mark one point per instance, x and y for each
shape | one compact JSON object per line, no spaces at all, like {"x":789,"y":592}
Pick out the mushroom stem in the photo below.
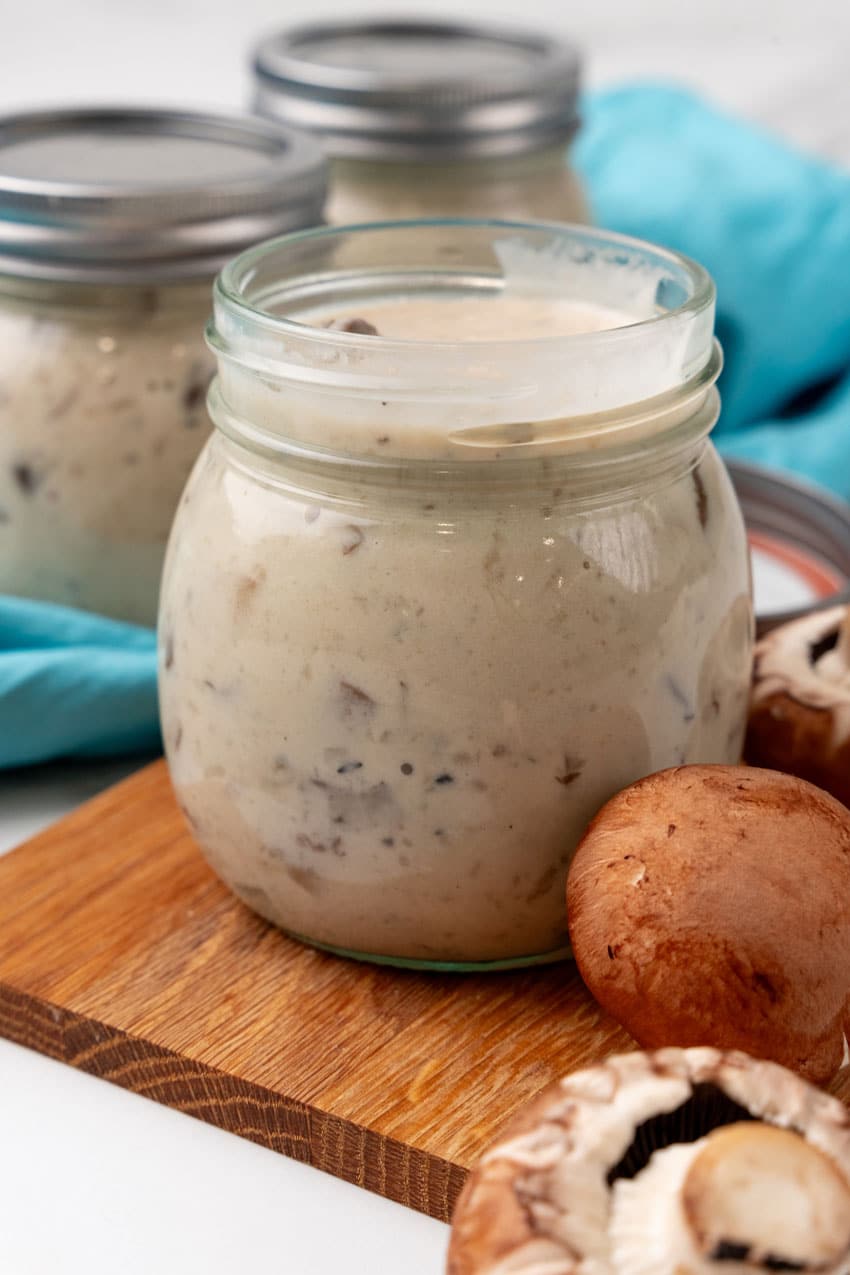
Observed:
{"x":768,"y":1198}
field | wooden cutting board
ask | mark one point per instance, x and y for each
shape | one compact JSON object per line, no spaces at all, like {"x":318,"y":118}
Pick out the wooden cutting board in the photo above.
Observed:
{"x":122,"y":954}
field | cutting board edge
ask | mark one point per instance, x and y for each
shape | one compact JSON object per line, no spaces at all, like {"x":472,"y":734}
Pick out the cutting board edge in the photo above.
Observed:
{"x":407,"y":1175}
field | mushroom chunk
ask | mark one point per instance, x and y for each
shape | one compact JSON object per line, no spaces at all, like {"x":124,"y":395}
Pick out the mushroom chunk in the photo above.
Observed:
{"x":769,"y":1193}
{"x":360,"y":327}
{"x":800,"y":707}
{"x":711,"y":905}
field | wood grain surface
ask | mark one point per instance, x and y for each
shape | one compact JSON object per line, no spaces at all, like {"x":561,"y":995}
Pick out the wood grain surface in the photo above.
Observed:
{"x":122,"y":954}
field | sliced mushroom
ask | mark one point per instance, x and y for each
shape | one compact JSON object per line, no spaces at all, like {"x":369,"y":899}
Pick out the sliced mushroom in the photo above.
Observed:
{"x":682,"y":1162}
{"x":800,"y":707}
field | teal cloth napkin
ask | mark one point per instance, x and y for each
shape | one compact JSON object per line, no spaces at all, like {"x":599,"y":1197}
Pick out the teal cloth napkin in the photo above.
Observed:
{"x":773,"y":227}
{"x":73,"y":684}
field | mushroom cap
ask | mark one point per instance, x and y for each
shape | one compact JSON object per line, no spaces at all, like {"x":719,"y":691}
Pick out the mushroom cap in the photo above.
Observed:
{"x":711,"y":905}
{"x":560,"y":1192}
{"x":800,"y":706}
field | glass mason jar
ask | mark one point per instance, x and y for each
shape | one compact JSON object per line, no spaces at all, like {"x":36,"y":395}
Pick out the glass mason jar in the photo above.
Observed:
{"x":432,"y":596}
{"x":427,"y":119}
{"x":112,"y":227}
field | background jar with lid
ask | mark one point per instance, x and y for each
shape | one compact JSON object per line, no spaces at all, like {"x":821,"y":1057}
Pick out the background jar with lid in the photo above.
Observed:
{"x":433,"y":595}
{"x":112,"y":227}
{"x":426,"y":119}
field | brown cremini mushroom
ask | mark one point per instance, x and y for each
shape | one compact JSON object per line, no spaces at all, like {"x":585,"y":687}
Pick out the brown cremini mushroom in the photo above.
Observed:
{"x":710,"y":905}
{"x":800,"y":707}
{"x":681,"y":1162}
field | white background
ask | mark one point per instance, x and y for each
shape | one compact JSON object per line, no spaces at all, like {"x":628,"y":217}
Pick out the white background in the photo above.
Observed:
{"x":93,"y":1179}
{"x":778,"y":61}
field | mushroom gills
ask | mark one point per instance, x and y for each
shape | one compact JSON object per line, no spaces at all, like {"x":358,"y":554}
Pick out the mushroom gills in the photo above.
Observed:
{"x":831,"y":656}
{"x":708,"y":1108}
{"x":748,"y":1197}
{"x":822,"y":647}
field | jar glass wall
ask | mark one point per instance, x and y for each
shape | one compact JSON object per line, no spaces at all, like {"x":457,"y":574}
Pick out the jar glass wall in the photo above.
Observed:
{"x":428,"y":603}
{"x":113,"y":225}
{"x":102,"y":415}
{"x":540,"y":186}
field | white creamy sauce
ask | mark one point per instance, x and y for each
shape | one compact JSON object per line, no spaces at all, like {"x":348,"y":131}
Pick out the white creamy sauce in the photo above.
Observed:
{"x":102,"y":415}
{"x":390,"y":711}
{"x":499,"y":317}
{"x":539,"y":186}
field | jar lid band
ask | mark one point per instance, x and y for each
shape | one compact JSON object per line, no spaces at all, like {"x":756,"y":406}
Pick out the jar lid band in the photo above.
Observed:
{"x":118,"y":195}
{"x":420,"y":90}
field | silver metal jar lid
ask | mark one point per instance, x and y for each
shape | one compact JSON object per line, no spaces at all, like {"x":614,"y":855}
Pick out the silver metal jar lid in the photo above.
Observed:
{"x":419,"y":90}
{"x":118,"y":195}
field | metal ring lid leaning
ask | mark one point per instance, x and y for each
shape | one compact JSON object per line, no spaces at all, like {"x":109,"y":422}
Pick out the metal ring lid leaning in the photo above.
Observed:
{"x":802,"y":533}
{"x":420,"y":90}
{"x":120,"y":195}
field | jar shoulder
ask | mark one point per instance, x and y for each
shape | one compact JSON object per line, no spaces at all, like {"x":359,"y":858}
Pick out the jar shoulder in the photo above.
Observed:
{"x":689,"y":529}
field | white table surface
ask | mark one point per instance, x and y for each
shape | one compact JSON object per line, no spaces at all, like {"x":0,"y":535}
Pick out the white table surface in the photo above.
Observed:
{"x":96,"y":1180}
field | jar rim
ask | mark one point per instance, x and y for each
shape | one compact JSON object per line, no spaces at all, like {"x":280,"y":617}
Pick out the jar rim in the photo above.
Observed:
{"x":559,"y":391}
{"x":230,"y":284}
